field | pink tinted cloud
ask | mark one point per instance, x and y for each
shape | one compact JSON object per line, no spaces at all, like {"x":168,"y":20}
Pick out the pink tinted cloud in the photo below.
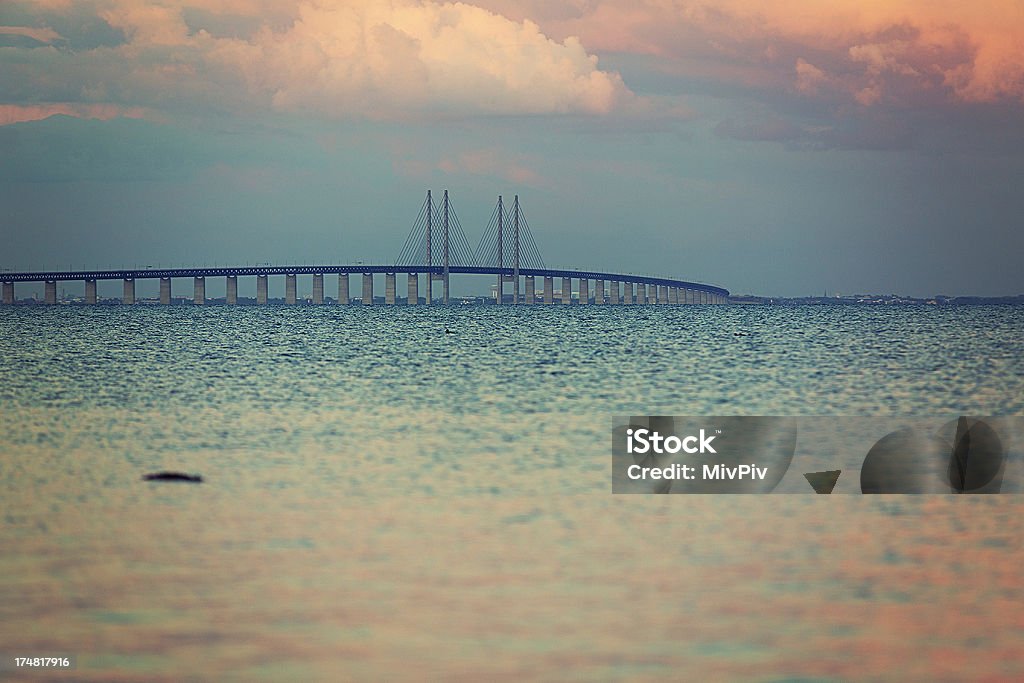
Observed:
{"x":42,"y":34}
{"x":491,"y":162}
{"x":864,"y":51}
{"x":19,"y":113}
{"x":382,"y":60}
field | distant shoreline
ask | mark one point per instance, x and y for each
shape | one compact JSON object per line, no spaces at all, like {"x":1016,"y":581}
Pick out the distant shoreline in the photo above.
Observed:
{"x":877,"y":300}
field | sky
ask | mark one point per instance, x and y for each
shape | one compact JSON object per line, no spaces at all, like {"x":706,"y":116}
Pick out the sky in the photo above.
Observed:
{"x":784,"y":148}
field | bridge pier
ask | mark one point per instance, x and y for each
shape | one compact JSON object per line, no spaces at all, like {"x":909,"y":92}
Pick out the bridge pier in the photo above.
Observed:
{"x":199,"y":290}
{"x":500,"y":294}
{"x":128,"y":291}
{"x":9,"y":293}
{"x":165,"y":291}
{"x":318,"y":288}
{"x":231,"y":290}
{"x":90,"y":291}
{"x":566,"y":290}
{"x":343,"y":289}
{"x":531,"y":291}
{"x":549,"y":289}
{"x":598,"y":291}
{"x":627,"y":292}
{"x":368,"y":289}
{"x":673,"y":295}
{"x":444,"y":294}
{"x":389,"y":289}
{"x":414,"y":289}
{"x":261,"y":289}
{"x":584,"y":291}
{"x":613,"y":292}
{"x":289,"y":289}
{"x":50,"y":292}
{"x":515,"y":289}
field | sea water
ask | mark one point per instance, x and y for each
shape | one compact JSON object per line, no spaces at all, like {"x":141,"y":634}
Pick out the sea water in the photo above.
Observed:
{"x":384,"y":500}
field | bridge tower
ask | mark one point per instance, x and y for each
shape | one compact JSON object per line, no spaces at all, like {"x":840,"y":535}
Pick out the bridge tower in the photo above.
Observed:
{"x":515,"y":271}
{"x":419,"y":247}
{"x":501,"y":255}
{"x":445,"y":273}
{"x":430,"y":274}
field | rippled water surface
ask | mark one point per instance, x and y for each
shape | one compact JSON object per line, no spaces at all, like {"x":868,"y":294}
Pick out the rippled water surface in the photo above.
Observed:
{"x":386,"y":501}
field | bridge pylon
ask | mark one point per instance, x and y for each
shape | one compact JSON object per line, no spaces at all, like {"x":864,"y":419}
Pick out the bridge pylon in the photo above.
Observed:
{"x":498,"y":241}
{"x":420,"y":245}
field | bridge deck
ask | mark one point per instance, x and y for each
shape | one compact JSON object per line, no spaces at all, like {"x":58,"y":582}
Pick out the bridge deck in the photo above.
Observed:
{"x":153,"y":273}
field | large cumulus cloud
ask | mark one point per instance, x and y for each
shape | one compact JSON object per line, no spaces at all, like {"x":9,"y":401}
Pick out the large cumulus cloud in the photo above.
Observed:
{"x":388,"y":60}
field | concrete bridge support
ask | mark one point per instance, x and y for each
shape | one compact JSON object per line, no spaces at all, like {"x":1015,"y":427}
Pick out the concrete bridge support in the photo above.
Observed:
{"x":368,"y":289}
{"x":662,"y":294}
{"x":598,"y":291}
{"x":231,"y":290}
{"x":261,"y":289}
{"x":199,"y":291}
{"x":318,"y":288}
{"x":9,"y":293}
{"x":500,"y":295}
{"x":343,"y":289}
{"x":549,"y":290}
{"x":566,"y":290}
{"x":613,"y":292}
{"x":444,"y":294}
{"x":389,"y":289}
{"x":515,"y":289}
{"x":414,"y":289}
{"x":584,"y":291}
{"x":90,"y":291}
{"x":50,"y":292}
{"x":627,"y":293}
{"x":128,"y":292}
{"x":165,"y":291}
{"x":531,"y":290}
{"x":673,"y":295}
{"x":289,"y":289}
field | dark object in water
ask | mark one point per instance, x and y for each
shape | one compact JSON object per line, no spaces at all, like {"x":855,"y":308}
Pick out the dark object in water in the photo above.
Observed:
{"x":447,"y":331}
{"x":173,"y":476}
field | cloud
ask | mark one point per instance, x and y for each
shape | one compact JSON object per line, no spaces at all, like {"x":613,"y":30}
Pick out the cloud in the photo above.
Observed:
{"x":491,"y":162}
{"x":866,"y":51}
{"x":42,"y":35}
{"x":380,"y":60}
{"x":14,"y":113}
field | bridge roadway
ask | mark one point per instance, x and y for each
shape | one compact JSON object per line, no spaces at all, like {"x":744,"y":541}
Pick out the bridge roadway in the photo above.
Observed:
{"x":648,"y":289}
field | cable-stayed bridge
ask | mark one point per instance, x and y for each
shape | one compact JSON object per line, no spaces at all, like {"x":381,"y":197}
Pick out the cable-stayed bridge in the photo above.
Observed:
{"x":435,"y":247}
